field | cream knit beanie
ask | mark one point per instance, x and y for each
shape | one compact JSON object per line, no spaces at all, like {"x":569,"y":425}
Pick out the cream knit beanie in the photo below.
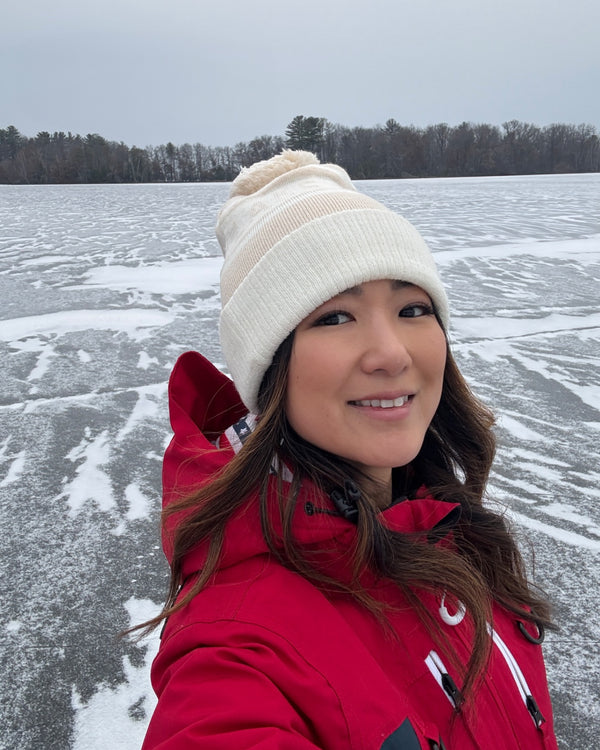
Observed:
{"x":294,"y":234}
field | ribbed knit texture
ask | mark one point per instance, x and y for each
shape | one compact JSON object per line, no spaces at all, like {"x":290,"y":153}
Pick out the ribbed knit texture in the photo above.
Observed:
{"x":304,"y":236}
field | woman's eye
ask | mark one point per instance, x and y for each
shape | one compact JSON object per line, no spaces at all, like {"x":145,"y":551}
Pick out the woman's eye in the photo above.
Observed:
{"x":334,"y":318}
{"x":416,"y":310}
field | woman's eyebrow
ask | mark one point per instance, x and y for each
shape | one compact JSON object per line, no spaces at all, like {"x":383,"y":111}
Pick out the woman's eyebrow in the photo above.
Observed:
{"x":354,"y":290}
{"x":395,"y":283}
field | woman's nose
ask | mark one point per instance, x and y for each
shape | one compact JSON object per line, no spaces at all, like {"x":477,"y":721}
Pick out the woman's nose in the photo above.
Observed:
{"x":385,"y":348}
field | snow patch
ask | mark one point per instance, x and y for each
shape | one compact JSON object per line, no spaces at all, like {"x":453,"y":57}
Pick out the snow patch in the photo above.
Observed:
{"x":42,"y":364}
{"x":562,"y":535}
{"x":139,"y":504}
{"x":116,"y":716}
{"x":566,"y":512}
{"x":144,"y":361}
{"x":146,"y":407}
{"x":91,"y":482}
{"x":131,"y":321}
{"x":535,"y":456}
{"x":15,"y":469}
{"x":179,"y":277}
{"x":584,"y":250}
{"x":518,"y":429}
{"x":4,"y":446}
{"x":511,"y":328}
{"x":46,"y":260}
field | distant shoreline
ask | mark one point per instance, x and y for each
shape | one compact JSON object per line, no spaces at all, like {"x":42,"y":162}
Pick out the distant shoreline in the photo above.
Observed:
{"x":392,"y":151}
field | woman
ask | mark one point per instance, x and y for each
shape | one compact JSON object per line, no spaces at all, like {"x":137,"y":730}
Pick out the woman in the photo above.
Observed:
{"x":336,"y":581}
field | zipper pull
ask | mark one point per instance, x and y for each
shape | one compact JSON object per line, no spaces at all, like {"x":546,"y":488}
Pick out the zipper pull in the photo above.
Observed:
{"x":443,"y":679}
{"x":452,"y":689}
{"x":534,"y":710}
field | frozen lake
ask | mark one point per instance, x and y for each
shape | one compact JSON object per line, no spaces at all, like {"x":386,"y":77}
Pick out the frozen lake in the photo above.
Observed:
{"x":103,"y":286}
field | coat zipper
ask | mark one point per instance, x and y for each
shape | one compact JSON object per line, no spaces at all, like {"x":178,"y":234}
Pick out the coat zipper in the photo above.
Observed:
{"x":443,"y":679}
{"x":519,"y":678}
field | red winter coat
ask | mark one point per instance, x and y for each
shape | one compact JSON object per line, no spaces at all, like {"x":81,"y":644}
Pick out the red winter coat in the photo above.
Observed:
{"x":263,"y":659}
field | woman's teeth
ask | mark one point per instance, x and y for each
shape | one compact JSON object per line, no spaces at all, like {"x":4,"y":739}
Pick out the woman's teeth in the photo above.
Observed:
{"x":383,"y":403}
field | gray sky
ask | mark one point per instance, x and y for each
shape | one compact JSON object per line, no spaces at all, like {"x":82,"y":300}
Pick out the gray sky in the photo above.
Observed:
{"x":222,"y":71}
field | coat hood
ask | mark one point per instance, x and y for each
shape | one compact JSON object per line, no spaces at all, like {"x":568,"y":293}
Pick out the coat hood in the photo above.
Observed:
{"x":204,"y":406}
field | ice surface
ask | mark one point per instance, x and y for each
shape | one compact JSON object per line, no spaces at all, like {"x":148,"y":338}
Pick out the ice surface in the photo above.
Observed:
{"x":104,"y":286}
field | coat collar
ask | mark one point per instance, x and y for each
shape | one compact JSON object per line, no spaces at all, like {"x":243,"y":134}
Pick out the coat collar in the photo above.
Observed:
{"x":204,"y":407}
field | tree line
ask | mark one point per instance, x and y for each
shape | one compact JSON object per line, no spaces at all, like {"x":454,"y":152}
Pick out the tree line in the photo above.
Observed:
{"x":380,"y":152}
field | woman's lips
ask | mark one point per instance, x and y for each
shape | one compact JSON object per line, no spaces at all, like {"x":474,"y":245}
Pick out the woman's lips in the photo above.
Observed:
{"x":382,"y":403}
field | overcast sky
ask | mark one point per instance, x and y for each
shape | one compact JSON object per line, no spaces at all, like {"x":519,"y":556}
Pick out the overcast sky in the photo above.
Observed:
{"x":221,"y":71}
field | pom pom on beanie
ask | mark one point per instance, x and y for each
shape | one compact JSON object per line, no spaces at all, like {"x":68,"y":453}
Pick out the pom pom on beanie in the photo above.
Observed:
{"x":296,"y":233}
{"x":253,"y":178}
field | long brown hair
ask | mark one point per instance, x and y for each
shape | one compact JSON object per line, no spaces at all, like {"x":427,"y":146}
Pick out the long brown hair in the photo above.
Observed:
{"x":482,"y":564}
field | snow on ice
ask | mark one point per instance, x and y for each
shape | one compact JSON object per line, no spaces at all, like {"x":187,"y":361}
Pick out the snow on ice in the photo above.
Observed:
{"x":103,"y":286}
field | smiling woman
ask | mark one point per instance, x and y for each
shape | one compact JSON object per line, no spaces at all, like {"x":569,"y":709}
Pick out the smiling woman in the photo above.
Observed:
{"x":336,"y":580}
{"x":366,"y":375}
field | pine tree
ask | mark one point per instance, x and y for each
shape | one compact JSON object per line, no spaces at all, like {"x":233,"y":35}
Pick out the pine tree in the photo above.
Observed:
{"x":306,"y":134}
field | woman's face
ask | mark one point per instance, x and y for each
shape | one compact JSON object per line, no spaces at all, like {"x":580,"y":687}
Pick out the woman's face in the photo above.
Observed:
{"x":366,"y":375}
